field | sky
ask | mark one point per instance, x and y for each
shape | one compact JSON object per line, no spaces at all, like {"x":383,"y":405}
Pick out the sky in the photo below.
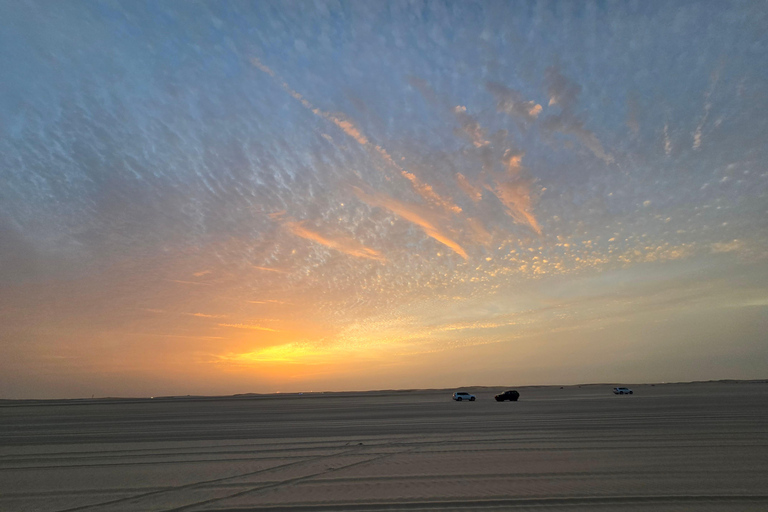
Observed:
{"x":211,"y":198}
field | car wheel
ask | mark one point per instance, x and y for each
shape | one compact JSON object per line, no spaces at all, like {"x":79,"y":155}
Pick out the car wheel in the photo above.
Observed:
{"x":472,"y":399}
{"x":630,"y":392}
{"x":458,"y":399}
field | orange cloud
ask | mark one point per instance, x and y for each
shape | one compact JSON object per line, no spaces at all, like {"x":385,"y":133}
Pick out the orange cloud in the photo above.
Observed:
{"x":348,"y":127}
{"x":510,"y":187}
{"x":511,"y":102}
{"x":198,"y":283}
{"x":475,"y":193}
{"x":516,"y":198}
{"x":342,"y":244}
{"x":513,"y":163}
{"x":512,"y":191}
{"x":471,"y":127}
{"x":251,"y":327}
{"x":412,"y":214}
{"x":478,"y":232}
{"x":256,"y":62}
{"x":270,"y":269}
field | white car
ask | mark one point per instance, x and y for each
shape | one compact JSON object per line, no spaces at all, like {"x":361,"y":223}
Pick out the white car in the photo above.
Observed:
{"x":622,"y":391}
{"x":461,"y":395}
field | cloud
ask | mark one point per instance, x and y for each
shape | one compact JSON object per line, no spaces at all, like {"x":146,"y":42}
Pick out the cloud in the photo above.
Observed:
{"x":202,"y":273}
{"x":515,"y":195}
{"x":474,"y":193}
{"x":508,"y":186}
{"x":732,"y":246}
{"x":700,"y":127}
{"x":471,"y":127}
{"x":268,"y":269}
{"x":564,"y":93}
{"x":346,"y":245}
{"x":707,"y":106}
{"x":411,"y":213}
{"x":348,"y":127}
{"x":250,"y":327}
{"x":514,"y":191}
{"x":561,"y":90}
{"x":197,"y":283}
{"x":154,"y":334}
{"x":512,"y":103}
{"x":203,"y":315}
{"x":569,"y":125}
{"x":477,"y":232}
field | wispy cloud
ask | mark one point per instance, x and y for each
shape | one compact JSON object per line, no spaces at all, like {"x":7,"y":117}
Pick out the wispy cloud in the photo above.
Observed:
{"x":196,"y":283}
{"x":204,"y":315}
{"x":515,"y":195}
{"x":202,"y":273}
{"x":268,"y":269}
{"x":510,"y":186}
{"x":707,"y":107}
{"x":268,"y":301}
{"x":346,"y":245}
{"x":349,"y":128}
{"x":564,"y":93}
{"x":462,"y":326}
{"x":471,"y":127}
{"x":474,"y":193}
{"x":732,"y":246}
{"x":250,"y":327}
{"x":414,"y":214}
{"x":162,"y":335}
{"x":512,"y":103}
{"x":478,"y":232}
{"x":667,"y":141}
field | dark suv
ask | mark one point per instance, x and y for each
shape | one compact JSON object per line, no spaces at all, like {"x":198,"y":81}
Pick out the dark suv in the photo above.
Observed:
{"x":512,"y":396}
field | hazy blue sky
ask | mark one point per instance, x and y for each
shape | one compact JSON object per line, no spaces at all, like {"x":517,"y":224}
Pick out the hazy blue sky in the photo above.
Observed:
{"x":216,"y":197}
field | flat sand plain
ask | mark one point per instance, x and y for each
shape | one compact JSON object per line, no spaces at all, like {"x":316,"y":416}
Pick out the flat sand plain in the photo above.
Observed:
{"x":699,"y":446}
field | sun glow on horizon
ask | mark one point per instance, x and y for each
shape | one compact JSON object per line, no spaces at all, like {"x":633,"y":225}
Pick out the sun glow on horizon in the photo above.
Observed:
{"x":357,"y":197}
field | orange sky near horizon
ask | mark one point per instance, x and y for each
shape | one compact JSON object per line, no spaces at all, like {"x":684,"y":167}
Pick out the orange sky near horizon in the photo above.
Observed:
{"x":367,"y":197}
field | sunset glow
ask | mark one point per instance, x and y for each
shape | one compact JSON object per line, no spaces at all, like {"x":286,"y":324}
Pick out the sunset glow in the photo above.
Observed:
{"x":218,"y":198}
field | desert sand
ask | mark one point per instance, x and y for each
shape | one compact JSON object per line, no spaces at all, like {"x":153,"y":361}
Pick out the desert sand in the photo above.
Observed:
{"x":698,"y":446}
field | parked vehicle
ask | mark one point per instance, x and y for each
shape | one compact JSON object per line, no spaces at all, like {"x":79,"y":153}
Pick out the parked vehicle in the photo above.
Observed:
{"x":461,"y":395}
{"x":622,"y":391}
{"x":510,"y":395}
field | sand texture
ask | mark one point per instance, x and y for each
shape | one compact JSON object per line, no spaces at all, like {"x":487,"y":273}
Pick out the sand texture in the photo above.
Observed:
{"x":701,"y":446}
